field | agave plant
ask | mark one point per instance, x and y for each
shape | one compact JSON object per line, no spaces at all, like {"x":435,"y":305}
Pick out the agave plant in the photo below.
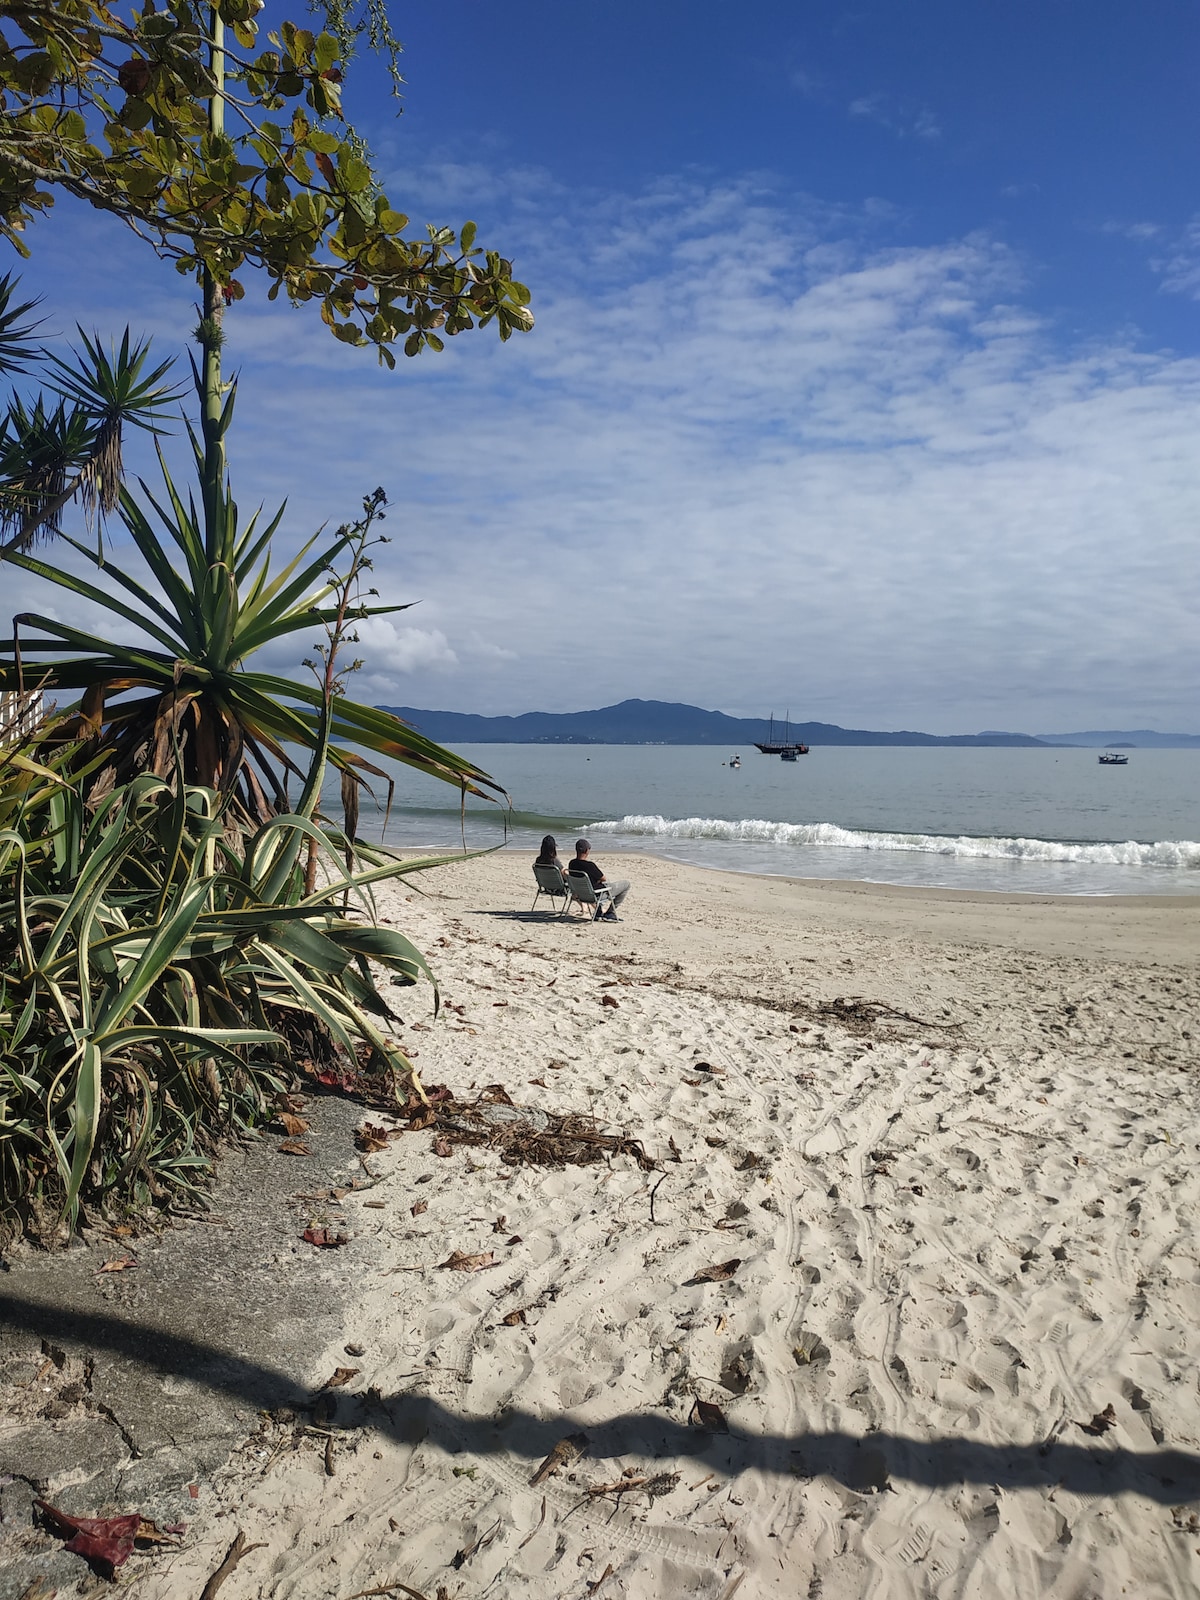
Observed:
{"x":186,"y":693}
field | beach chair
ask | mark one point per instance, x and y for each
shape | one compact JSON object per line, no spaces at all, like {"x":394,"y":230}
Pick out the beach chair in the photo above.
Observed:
{"x":583,"y":894}
{"x":550,"y":883}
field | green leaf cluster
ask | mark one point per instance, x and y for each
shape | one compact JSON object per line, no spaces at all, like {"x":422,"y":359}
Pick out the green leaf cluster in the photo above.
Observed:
{"x":154,"y":965}
{"x":111,"y":103}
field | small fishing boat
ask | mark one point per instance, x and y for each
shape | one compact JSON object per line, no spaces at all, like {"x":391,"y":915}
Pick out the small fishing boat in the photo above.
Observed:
{"x":735,"y":761}
{"x":1114,"y":758}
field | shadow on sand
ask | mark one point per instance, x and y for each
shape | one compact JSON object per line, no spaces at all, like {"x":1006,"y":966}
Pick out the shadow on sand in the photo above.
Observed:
{"x":870,"y":1463}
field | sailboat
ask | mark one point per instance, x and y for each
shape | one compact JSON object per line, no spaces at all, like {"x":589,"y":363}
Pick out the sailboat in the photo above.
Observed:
{"x":787,"y":749}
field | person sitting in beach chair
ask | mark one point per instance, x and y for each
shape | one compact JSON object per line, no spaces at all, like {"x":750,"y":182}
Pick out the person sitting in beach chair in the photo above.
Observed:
{"x":614,"y":892}
{"x":547,"y":856}
{"x":550,"y":874}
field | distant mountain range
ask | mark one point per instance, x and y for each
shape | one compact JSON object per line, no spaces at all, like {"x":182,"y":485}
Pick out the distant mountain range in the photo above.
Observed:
{"x":662,"y":722}
{"x":1131,"y":738}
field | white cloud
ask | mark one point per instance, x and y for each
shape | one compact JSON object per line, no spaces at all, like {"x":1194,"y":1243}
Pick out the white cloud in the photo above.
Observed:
{"x":755,"y":454}
{"x":390,"y":650}
{"x":903,"y":119}
{"x":1179,"y":265}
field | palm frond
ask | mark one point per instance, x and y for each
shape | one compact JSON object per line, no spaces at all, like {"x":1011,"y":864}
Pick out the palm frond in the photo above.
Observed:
{"x":113,"y":392}
{"x":16,"y":331}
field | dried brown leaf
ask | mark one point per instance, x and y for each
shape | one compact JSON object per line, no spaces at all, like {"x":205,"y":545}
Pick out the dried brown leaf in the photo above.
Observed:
{"x":709,"y":1417}
{"x":118,"y":1264}
{"x":341,"y":1377}
{"x":565,"y":1453}
{"x":809,"y":1350}
{"x":371,"y":1137}
{"x":292,"y":1124}
{"x":293,"y":1147}
{"x":442,"y":1147}
{"x":610,"y":1000}
{"x":514,"y":1318}
{"x":720,"y":1273}
{"x":1100,"y":1423}
{"x":464,"y":1261}
{"x":419,"y":1210}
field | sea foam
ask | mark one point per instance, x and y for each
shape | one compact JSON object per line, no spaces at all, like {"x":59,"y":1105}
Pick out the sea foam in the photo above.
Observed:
{"x":1177,"y":853}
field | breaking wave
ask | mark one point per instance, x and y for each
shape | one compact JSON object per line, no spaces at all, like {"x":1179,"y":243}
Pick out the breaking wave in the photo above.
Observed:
{"x":1177,"y":853}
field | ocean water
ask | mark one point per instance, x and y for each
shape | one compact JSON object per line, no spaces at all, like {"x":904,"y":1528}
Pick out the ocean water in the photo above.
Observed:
{"x":1018,"y":821}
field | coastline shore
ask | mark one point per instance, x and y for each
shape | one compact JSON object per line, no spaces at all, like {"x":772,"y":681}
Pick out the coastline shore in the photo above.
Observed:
{"x":950,"y":1143}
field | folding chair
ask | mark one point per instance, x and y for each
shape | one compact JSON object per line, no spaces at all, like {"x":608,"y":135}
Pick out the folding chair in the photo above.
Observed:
{"x":550,"y":883}
{"x":585,"y":894}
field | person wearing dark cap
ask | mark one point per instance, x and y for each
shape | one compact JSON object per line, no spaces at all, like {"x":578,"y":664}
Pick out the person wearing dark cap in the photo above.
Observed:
{"x":618,"y":890}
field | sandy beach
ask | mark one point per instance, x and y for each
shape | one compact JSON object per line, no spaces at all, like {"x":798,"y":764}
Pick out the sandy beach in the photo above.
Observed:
{"x":941,"y":1150}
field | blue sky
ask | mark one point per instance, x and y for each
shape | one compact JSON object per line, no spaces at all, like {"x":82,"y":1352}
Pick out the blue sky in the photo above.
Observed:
{"x":865,"y":382}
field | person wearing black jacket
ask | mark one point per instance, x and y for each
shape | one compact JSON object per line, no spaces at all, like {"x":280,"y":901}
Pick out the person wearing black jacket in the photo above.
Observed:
{"x":618,"y":889}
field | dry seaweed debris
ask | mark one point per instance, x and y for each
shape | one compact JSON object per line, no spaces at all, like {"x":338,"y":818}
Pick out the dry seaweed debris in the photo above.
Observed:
{"x":523,"y":1134}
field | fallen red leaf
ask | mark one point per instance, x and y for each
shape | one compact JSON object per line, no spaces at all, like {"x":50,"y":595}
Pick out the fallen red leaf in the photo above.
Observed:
{"x":106,"y":1541}
{"x":442,"y":1147}
{"x":336,"y":1080}
{"x":324,"y":1238}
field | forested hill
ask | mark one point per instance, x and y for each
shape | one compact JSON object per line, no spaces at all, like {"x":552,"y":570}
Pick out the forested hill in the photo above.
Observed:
{"x":662,"y":722}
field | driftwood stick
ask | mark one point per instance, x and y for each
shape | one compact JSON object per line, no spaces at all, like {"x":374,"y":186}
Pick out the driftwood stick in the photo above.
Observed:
{"x":233,"y":1555}
{"x":388,"y":1588}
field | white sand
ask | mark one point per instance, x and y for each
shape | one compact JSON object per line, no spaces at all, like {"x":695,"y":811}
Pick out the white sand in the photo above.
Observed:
{"x":987,"y":1216}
